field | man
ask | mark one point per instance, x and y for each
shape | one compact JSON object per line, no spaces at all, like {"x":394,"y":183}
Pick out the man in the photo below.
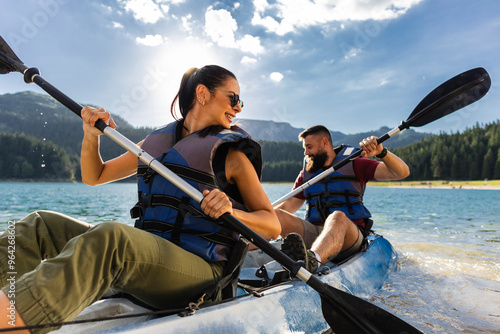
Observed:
{"x":336,"y":218}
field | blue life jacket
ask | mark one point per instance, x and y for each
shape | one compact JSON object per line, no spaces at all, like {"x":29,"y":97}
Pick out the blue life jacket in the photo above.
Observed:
{"x":340,"y":190}
{"x":165,"y":210}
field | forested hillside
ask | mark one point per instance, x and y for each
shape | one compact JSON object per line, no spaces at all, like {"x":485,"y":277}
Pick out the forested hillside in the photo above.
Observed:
{"x":26,"y":157}
{"x":471,"y":155}
{"x":44,"y":118}
{"x":41,"y":140}
{"x":282,"y":160}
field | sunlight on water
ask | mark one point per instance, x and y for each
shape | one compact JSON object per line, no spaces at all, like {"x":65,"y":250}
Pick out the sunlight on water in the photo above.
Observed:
{"x":448,"y":239}
{"x":437,"y":299}
{"x":452,"y":260}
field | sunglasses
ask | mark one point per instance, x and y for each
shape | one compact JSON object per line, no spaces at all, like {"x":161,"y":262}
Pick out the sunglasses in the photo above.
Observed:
{"x":235,"y":99}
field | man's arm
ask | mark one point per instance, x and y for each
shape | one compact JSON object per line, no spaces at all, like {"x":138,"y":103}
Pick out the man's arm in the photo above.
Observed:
{"x":391,"y":168}
{"x":291,"y":205}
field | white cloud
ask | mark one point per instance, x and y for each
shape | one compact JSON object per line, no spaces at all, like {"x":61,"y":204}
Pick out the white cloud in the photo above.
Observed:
{"x":286,"y":16}
{"x":117,"y":25}
{"x":260,"y":5}
{"x":220,"y":26}
{"x":250,"y":44}
{"x":248,"y":60}
{"x":147,"y":11}
{"x":351,"y":53}
{"x":186,"y":22}
{"x":150,"y":40}
{"x":371,"y":80}
{"x":276,"y":76}
{"x":106,"y":8}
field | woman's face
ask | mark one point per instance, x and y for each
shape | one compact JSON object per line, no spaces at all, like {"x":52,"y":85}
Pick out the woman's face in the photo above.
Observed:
{"x":221,"y":106}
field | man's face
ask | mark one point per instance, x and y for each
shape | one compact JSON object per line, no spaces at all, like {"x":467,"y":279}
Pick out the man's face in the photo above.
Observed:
{"x":315,"y":153}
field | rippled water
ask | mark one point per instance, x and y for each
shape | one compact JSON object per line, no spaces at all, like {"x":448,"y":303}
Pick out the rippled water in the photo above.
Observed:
{"x":448,"y":239}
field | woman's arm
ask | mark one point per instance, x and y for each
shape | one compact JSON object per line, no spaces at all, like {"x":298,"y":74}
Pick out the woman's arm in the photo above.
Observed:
{"x":94,"y":170}
{"x":261,"y":217}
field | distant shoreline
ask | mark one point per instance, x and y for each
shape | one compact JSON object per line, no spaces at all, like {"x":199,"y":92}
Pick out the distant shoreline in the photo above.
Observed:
{"x":480,"y":185}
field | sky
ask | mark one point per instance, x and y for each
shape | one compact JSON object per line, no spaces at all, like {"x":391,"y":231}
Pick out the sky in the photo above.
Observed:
{"x":351,"y":65}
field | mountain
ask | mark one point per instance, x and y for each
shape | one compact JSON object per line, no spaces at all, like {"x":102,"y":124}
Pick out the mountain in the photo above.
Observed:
{"x":281,"y":131}
{"x":42,"y":117}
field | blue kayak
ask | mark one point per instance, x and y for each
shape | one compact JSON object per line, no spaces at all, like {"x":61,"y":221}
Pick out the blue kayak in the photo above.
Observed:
{"x":267,"y":301}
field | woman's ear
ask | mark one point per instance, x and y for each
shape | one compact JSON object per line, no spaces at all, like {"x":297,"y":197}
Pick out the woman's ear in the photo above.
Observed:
{"x":202,"y":94}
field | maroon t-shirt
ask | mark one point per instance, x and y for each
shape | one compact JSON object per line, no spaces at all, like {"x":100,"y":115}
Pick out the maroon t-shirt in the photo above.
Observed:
{"x":364,"y":169}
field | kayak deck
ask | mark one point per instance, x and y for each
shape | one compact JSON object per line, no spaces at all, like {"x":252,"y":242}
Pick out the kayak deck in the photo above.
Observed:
{"x":291,"y":306}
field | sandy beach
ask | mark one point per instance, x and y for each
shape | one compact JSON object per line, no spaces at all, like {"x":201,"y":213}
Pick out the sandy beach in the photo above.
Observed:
{"x":482,"y":185}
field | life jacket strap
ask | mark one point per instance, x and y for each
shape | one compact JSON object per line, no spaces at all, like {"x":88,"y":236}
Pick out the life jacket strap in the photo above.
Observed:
{"x":179,"y":220}
{"x":348,"y":201}
{"x":148,"y":200}
{"x":333,"y":178}
{"x":354,"y":194}
{"x":318,"y":205}
{"x":183,"y":171}
{"x":339,"y":204}
{"x":228,"y":284}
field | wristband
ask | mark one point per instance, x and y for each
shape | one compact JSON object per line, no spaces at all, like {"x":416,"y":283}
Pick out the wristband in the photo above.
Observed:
{"x":382,"y":154}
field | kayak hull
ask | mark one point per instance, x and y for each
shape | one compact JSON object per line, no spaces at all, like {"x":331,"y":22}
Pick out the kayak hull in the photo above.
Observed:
{"x":290,"y":307}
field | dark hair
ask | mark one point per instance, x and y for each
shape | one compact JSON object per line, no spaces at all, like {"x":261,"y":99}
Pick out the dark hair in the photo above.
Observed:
{"x":317,"y":129}
{"x":211,"y":76}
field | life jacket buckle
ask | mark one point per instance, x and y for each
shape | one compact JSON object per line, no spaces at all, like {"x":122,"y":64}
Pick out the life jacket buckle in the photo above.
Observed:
{"x":139,"y":223}
{"x":146,"y":200}
{"x":148,"y":175}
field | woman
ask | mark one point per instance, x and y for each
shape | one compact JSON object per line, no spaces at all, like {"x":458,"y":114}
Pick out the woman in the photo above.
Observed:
{"x":168,"y":260}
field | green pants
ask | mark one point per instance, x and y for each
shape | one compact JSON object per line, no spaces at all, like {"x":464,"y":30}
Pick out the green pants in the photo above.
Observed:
{"x":61,"y":265}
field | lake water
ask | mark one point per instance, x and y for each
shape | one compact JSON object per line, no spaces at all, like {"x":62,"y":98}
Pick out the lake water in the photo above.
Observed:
{"x":448,"y":240}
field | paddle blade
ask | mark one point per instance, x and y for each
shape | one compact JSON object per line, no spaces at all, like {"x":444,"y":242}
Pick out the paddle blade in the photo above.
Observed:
{"x":9,"y":62}
{"x":452,"y":95}
{"x":371,"y":318}
{"x":346,"y":313}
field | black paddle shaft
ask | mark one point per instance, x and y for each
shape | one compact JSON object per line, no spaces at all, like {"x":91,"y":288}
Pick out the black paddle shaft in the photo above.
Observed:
{"x":32,"y":75}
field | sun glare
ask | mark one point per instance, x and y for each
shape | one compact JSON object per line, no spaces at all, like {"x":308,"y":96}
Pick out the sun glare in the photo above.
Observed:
{"x":178,"y":56}
{"x":172,"y":60}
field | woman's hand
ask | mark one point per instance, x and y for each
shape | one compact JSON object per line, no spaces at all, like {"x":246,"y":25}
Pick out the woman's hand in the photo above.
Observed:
{"x":90,"y":115}
{"x":216,"y":203}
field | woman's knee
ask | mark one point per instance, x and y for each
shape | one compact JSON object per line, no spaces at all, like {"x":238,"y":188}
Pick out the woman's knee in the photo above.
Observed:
{"x":109,"y":230}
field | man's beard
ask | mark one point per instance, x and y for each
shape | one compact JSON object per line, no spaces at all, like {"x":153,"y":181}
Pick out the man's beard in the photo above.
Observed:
{"x":314,"y":165}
